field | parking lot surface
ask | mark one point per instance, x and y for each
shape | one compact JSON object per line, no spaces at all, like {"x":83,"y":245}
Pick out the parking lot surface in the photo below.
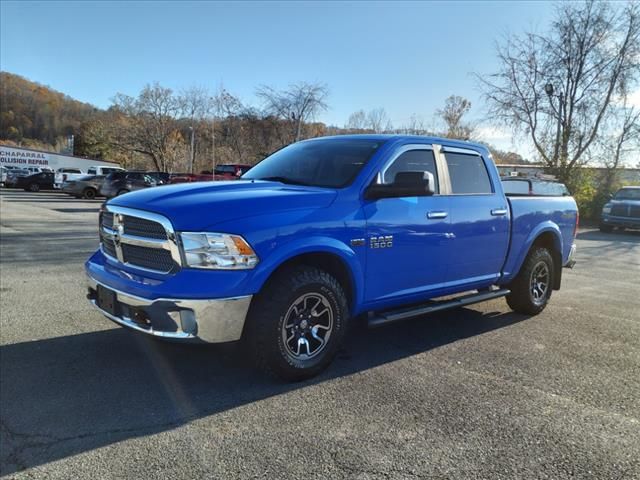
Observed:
{"x":476,"y":392}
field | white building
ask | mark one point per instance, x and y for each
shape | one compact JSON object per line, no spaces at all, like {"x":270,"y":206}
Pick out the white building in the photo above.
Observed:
{"x":26,"y":157}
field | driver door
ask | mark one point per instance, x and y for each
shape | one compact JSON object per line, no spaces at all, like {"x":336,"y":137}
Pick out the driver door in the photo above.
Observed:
{"x":408,"y":240}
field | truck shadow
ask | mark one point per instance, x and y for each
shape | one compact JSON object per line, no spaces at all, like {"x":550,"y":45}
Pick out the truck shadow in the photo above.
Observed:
{"x":63,"y":396}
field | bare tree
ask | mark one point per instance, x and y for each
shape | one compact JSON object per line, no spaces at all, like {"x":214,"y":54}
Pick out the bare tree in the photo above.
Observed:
{"x":379,"y":121}
{"x":148,"y":123}
{"x":558,"y":88}
{"x":455,"y":108}
{"x":357,"y":121}
{"x":625,"y":138}
{"x":299,"y":103}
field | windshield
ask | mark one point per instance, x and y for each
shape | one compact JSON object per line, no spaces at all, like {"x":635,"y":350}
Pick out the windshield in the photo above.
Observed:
{"x":329,"y":162}
{"x":628,"y":194}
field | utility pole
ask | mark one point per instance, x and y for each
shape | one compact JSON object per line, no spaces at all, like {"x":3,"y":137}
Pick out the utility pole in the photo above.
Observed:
{"x":192,"y":156}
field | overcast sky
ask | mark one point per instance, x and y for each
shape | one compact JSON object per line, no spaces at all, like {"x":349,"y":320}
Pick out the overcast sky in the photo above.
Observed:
{"x":404,"y":57}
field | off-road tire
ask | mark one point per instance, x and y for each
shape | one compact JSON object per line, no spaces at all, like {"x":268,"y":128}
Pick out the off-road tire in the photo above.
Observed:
{"x":605,"y":228}
{"x":264,"y":330}
{"x":89,"y":193}
{"x":521,"y":299}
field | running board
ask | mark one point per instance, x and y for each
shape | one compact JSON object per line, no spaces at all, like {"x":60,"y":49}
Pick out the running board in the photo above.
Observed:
{"x":379,"y":319}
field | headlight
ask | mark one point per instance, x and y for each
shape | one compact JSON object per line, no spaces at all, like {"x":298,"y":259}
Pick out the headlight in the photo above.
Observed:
{"x":606,"y":209}
{"x":217,"y":250}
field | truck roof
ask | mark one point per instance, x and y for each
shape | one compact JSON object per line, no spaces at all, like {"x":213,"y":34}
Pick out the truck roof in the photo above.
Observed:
{"x":422,"y":138}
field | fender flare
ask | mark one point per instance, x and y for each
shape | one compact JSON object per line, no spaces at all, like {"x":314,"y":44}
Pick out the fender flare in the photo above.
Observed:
{"x":540,"y":229}
{"x":314,"y":244}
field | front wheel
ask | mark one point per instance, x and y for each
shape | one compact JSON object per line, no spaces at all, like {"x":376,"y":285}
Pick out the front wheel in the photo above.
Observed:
{"x":34,"y":187}
{"x":531,"y":289}
{"x":122,"y":192}
{"x":296,"y":325}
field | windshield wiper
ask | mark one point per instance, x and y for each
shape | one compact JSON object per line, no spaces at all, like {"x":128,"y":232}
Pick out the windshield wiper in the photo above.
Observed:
{"x":286,"y":180}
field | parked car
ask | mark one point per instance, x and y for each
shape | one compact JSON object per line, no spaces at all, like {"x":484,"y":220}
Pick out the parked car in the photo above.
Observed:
{"x":622,"y":211}
{"x":65,"y":174}
{"x":231,"y":171}
{"x":103,"y":171}
{"x":161,"y":178}
{"x":191,"y":177}
{"x":322,"y":231}
{"x":11,"y":177}
{"x":533,"y":186}
{"x":87,"y":187}
{"x":36,"y":182}
{"x":118,"y":183}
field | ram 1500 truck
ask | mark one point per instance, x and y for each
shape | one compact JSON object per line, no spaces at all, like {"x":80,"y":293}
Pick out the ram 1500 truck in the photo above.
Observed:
{"x":384,"y":228}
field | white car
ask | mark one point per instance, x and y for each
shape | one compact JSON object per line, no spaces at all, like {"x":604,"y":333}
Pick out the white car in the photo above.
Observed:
{"x":66,"y":173}
{"x":101,"y":170}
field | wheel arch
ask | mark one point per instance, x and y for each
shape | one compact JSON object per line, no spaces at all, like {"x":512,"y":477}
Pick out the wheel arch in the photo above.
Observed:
{"x":329,"y":255}
{"x":549,"y":236}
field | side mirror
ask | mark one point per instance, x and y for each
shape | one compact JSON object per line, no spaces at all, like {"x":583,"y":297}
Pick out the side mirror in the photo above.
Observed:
{"x":405,"y":184}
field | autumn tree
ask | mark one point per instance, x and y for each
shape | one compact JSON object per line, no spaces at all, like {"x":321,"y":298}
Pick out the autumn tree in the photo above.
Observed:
{"x":149,"y":124}
{"x":558,"y":88}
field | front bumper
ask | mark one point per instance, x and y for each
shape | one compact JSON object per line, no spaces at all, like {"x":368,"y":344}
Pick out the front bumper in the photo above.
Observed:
{"x":616,"y":221}
{"x":186,"y":320}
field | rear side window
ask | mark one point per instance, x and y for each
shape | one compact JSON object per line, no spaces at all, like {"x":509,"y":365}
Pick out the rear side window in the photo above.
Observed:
{"x":91,"y":171}
{"x":520,"y":187}
{"x":412,"y":161}
{"x":468,"y":174}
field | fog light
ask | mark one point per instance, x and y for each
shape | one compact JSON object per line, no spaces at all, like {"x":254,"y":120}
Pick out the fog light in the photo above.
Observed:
{"x":188,"y":322}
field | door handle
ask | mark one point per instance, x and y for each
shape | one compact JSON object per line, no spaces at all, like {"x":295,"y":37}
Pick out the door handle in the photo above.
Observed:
{"x":433,"y":215}
{"x":496,"y":212}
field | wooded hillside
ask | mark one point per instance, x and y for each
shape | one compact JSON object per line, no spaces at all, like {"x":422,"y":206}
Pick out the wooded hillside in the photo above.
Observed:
{"x":30,"y":111}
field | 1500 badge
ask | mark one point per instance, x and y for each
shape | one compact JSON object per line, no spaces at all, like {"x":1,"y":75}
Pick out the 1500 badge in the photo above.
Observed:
{"x":385,"y":241}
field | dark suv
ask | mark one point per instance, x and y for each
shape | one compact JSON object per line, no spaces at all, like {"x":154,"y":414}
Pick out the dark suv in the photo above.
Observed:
{"x":118,"y":183}
{"x":622,"y":211}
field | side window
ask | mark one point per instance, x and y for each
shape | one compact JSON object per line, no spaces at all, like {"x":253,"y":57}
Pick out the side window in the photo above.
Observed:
{"x":520,"y":187}
{"x":91,"y":171}
{"x":468,"y":174}
{"x":412,"y":161}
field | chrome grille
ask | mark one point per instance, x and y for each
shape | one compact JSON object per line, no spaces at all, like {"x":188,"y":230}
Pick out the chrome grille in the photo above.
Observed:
{"x":149,"y":258}
{"x":619,"y":211}
{"x":141,"y":227}
{"x":140,"y":239}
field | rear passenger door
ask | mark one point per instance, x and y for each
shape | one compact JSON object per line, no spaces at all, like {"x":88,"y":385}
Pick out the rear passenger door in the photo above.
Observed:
{"x":479,"y":220}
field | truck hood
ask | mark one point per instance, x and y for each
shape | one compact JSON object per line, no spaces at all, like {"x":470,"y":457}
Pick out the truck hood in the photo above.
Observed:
{"x":196,"y":206}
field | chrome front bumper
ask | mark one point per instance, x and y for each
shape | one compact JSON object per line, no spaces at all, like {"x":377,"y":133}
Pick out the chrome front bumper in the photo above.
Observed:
{"x":571,"y":260}
{"x":210,"y":321}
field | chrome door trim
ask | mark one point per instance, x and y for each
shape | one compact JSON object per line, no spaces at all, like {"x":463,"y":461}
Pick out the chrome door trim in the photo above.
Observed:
{"x":400,"y":151}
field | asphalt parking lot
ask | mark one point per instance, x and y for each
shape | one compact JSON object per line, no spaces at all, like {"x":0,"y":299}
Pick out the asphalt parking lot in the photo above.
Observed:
{"x":477,"y":392}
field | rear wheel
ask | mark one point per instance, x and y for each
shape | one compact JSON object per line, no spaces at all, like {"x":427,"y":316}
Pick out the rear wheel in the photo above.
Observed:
{"x":297,"y":323}
{"x":89,"y":193}
{"x":531,"y":289}
{"x":122,"y":192}
{"x":606,"y":228}
{"x":34,"y":187}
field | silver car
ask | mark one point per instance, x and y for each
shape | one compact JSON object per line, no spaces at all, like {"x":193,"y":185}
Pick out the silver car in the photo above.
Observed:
{"x":87,"y":187}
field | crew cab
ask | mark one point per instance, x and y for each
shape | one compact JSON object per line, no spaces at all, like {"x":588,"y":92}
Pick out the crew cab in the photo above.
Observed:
{"x":383,"y":228}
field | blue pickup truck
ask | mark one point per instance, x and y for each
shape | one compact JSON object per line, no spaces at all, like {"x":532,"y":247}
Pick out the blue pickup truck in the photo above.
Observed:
{"x":385,"y":228}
